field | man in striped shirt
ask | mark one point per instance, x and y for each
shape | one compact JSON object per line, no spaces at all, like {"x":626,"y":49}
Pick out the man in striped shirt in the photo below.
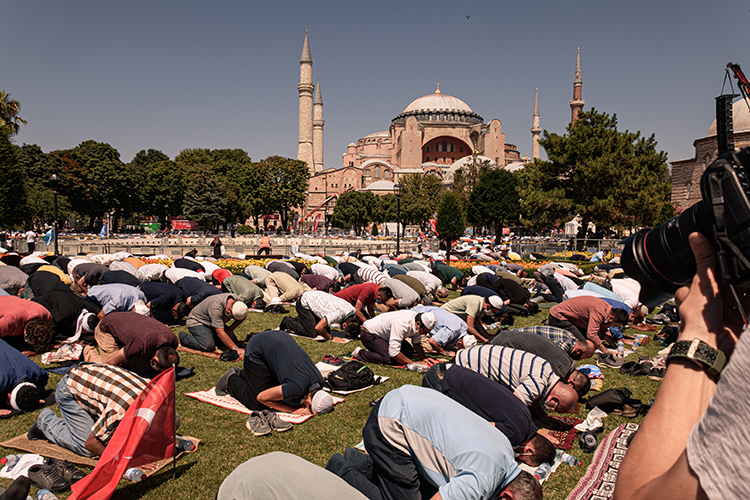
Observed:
{"x":568,"y":342}
{"x":530,"y":377}
{"x":92,"y":399}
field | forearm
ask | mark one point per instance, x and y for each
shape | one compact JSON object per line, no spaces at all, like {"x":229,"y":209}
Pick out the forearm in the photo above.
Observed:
{"x":321,"y":328}
{"x":437,"y":347}
{"x":226,"y":339}
{"x":94,"y":445}
{"x":400,"y":359}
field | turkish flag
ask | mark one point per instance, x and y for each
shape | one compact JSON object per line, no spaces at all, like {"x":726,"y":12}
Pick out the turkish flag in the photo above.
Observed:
{"x":145,"y":434}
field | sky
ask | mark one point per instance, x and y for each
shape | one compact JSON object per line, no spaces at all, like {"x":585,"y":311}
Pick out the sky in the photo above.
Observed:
{"x":173,"y":75}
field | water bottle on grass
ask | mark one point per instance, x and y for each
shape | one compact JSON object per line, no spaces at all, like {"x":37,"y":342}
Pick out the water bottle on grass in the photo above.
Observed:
{"x":10,"y":460}
{"x":620,"y":349}
{"x":542,"y":472}
{"x":134,"y":474}
{"x":45,"y":495}
{"x":418,"y":367}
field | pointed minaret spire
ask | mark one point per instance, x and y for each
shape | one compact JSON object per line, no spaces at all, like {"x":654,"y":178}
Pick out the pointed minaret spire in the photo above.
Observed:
{"x":577,"y":103}
{"x":438,"y":87}
{"x":306,"y":55}
{"x":535,"y":130}
{"x":318,"y":123}
{"x":305,"y":89}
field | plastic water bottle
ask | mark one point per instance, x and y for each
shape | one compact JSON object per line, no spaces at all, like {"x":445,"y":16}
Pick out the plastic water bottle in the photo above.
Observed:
{"x":542,"y":472}
{"x":418,"y":367}
{"x":620,"y":349}
{"x":134,"y":474}
{"x":10,"y":460}
{"x":570,"y":460}
{"x":636,"y":344}
{"x":183,"y":444}
{"x":45,"y":495}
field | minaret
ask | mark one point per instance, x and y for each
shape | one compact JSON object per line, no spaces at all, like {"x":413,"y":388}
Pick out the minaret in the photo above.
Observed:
{"x":577,"y":103}
{"x":535,"y":130}
{"x":317,"y":124}
{"x":305,"y":88}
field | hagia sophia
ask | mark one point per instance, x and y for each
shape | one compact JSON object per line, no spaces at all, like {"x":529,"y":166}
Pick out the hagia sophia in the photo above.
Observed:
{"x":434,"y":134}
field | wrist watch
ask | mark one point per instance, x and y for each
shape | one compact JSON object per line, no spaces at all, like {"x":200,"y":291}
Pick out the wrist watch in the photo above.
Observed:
{"x":700,"y":353}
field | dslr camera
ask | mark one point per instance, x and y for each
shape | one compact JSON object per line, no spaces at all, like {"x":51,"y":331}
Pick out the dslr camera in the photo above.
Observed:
{"x":661,"y":258}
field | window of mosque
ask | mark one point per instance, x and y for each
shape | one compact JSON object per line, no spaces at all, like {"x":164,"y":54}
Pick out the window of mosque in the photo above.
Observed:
{"x":453,"y":147}
{"x":367,"y":173}
{"x":460,"y":149}
{"x":387,"y":174}
{"x":426,"y":158}
{"x":427,"y":149}
{"x":445,"y":145}
{"x":437,"y":147}
{"x":453,"y":159}
{"x":377,"y":172}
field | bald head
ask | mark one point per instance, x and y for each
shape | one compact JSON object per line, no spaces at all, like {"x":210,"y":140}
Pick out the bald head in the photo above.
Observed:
{"x":583,"y":349}
{"x":561,"y":399}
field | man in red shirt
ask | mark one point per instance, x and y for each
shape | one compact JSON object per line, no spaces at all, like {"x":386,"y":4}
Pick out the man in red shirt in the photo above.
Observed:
{"x":587,"y":317}
{"x":27,"y":319}
{"x":137,"y":342}
{"x":361,"y":296}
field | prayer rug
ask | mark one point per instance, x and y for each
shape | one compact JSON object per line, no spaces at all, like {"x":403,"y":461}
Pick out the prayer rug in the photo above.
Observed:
{"x":565,"y":437}
{"x":215,"y":354}
{"x":599,"y":481}
{"x":230,"y":403}
{"x":46,"y":449}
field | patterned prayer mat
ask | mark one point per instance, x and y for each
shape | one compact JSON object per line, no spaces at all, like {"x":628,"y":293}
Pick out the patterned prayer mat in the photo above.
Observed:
{"x":599,"y":481}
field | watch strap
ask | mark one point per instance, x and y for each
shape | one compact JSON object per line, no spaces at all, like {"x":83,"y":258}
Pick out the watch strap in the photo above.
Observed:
{"x":712,"y":360}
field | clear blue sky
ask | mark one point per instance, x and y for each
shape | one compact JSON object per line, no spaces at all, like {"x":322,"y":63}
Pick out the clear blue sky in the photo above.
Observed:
{"x":171,"y":75}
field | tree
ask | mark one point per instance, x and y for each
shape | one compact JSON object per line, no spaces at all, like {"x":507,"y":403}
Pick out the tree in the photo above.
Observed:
{"x":494,"y":201}
{"x":420,"y":196}
{"x":145,"y":158}
{"x":450,"y":223}
{"x":204,"y":198}
{"x":466,"y":177}
{"x":385,"y":208}
{"x":10,"y":122}
{"x":284,"y":185}
{"x":249,"y":181}
{"x":162,"y":184}
{"x":610,"y":178}
{"x":353,"y":209}
{"x":12,"y":185}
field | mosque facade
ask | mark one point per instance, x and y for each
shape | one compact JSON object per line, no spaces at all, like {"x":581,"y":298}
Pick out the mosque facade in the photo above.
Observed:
{"x":686,"y":174}
{"x":435,"y":134}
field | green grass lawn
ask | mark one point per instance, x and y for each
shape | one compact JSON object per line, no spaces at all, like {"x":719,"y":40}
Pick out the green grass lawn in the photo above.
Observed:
{"x":226,"y":442}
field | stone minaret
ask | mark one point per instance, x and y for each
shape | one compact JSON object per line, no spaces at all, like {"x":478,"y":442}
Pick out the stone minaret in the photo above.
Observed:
{"x":305,"y":88}
{"x":535,"y":130}
{"x":577,"y":103}
{"x":317,"y":124}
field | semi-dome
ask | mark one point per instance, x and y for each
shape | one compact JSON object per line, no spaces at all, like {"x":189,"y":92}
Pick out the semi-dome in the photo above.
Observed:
{"x":439,"y":108}
{"x":741,"y":116}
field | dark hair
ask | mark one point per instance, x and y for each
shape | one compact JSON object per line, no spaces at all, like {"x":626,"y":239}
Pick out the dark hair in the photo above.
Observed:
{"x":387,"y":291}
{"x":353,"y":327}
{"x":544,"y":450}
{"x":524,"y":487}
{"x":182,"y":309}
{"x":586,"y":387}
{"x":336,"y":287}
{"x":620,"y":316}
{"x":92,"y":322}
{"x":259,"y":304}
{"x":165,"y":357}
{"x":39,"y":335}
{"x":638,"y":314}
{"x":507,"y":318}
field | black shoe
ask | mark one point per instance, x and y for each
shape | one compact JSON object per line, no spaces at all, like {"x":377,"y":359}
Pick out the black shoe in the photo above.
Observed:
{"x":35,"y":433}
{"x":66,"y":469}
{"x":48,"y":477}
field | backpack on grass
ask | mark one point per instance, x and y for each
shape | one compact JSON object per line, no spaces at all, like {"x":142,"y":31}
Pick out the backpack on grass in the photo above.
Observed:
{"x":350,"y":377}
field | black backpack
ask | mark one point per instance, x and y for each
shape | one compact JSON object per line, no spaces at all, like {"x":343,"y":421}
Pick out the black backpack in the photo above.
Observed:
{"x":350,"y":377}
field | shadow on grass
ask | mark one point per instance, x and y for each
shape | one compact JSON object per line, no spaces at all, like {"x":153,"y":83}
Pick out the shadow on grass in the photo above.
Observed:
{"x":137,"y":490}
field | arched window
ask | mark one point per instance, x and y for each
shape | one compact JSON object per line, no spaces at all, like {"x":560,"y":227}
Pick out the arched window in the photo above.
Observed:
{"x":445,"y":145}
{"x":427,"y":149}
{"x":453,"y":159}
{"x":445,"y":160}
{"x":426,"y":158}
{"x":460,"y":149}
{"x":377,"y":172}
{"x":386,"y":174}
{"x":367,"y":173}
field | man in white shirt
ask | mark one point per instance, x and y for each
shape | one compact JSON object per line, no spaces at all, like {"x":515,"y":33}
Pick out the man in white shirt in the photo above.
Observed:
{"x":384,"y":337}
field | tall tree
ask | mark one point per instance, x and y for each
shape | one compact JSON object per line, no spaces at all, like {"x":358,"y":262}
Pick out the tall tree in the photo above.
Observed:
{"x":284,"y":186}
{"x":354,"y":209}
{"x":466,"y":177}
{"x":204,"y":199}
{"x":610,"y":178}
{"x":12,"y":186}
{"x":10,"y":122}
{"x":39,"y":166}
{"x":450,"y":222}
{"x":494,"y":201}
{"x":420,"y":197}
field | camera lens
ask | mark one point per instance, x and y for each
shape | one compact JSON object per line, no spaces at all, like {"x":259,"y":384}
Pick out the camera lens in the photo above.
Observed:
{"x":661,"y":258}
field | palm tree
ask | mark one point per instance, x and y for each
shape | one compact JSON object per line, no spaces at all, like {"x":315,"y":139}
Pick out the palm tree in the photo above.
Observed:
{"x":9,"y":110}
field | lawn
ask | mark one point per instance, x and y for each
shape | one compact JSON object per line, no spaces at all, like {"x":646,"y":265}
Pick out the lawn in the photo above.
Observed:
{"x":226,"y":442}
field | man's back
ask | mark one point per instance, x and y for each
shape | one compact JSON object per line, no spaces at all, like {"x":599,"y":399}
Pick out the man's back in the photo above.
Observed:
{"x":539,"y":345}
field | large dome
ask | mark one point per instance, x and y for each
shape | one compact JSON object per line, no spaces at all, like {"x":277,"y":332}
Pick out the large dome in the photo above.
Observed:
{"x":741,"y":116}
{"x":438,"y":101}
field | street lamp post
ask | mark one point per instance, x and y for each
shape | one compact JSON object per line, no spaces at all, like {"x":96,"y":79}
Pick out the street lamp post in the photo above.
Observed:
{"x":54,"y":180}
{"x":397,"y":191}
{"x":166,"y":217}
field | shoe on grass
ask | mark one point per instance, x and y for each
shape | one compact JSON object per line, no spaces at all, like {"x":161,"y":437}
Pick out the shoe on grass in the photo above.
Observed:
{"x":47,"y":477}
{"x":257,"y":424}
{"x":66,"y":469}
{"x":274,"y":422}
{"x":609,"y":361}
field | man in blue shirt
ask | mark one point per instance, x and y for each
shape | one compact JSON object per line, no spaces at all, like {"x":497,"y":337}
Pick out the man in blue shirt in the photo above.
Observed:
{"x":421,"y":443}
{"x":450,"y":334}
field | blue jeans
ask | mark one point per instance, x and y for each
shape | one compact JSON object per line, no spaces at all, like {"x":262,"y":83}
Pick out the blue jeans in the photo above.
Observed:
{"x":200,"y":338}
{"x":72,"y":430}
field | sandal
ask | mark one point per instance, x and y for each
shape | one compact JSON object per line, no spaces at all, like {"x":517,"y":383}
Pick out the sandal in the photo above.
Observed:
{"x":627,"y":411}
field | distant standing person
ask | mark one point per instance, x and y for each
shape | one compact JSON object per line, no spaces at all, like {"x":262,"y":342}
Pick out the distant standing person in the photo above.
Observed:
{"x":217,"y":247}
{"x":265,"y":245}
{"x":30,"y":239}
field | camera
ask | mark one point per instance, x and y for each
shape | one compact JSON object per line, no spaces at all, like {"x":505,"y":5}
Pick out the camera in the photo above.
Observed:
{"x":661,"y":260}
